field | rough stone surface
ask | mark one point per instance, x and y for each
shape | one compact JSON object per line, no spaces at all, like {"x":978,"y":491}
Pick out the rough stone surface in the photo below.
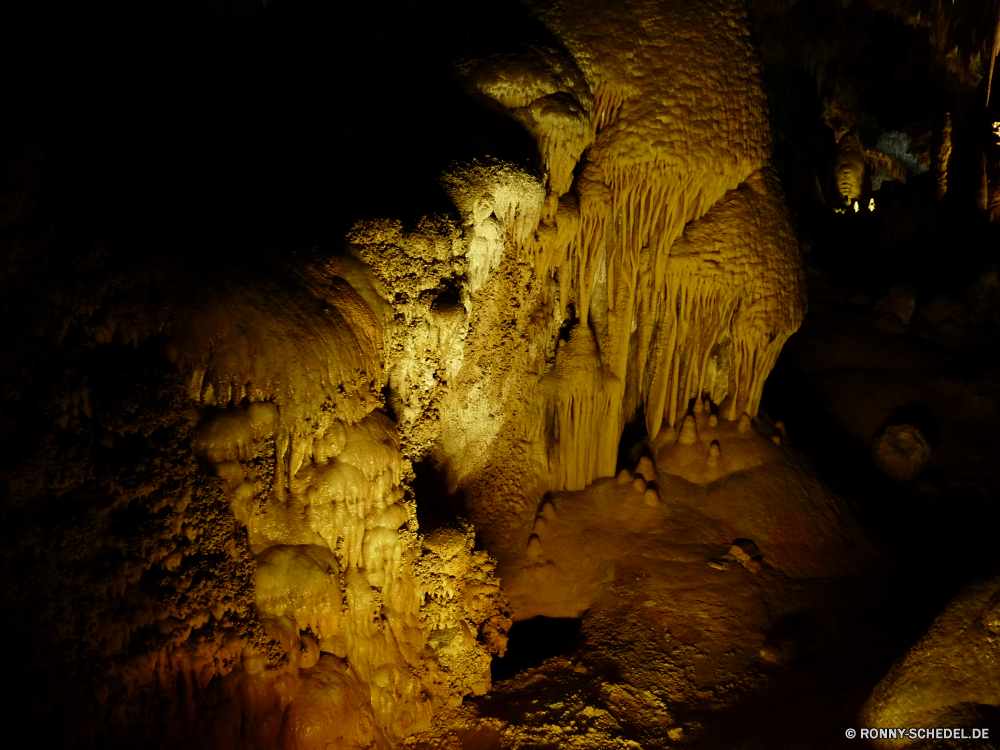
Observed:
{"x":901,"y":452}
{"x":949,"y":678}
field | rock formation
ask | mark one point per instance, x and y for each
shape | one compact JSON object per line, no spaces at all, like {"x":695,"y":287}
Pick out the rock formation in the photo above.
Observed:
{"x":949,"y":677}
{"x":263,"y":492}
{"x":665,"y":270}
{"x":648,"y":263}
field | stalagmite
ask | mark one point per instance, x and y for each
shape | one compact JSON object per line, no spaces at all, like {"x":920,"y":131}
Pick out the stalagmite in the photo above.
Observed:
{"x":744,"y":424}
{"x":688,"y":434}
{"x":645,"y":468}
{"x":653,"y":264}
{"x":341,"y":379}
{"x":534,"y":546}
{"x":666,"y":436}
{"x":713,"y":453}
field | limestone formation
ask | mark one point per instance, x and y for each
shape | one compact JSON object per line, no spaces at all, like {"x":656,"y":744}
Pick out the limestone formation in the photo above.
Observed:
{"x":219,"y":496}
{"x":901,"y":452}
{"x":709,"y":451}
{"x":949,"y":677}
{"x":849,"y":169}
{"x":776,"y":512}
{"x":625,"y":257}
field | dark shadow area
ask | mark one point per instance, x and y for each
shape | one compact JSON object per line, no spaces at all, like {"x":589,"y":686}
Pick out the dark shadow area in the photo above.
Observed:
{"x":533,"y":641}
{"x":820,"y":63}
{"x":276,"y":127}
{"x":448,"y":299}
{"x":936,"y":532}
{"x":632,"y":441}
{"x":919,"y":416}
{"x":436,"y":506}
{"x":806,"y":704}
{"x":843,"y":463}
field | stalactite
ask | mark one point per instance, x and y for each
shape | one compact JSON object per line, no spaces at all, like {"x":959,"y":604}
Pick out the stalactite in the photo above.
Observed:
{"x":647,"y":265}
{"x":580,"y":398}
{"x":668,"y":261}
{"x":651,"y":173}
{"x":734,"y":278}
{"x":994,"y":49}
{"x":893,"y":166}
{"x":941,"y":155}
{"x":849,"y":168}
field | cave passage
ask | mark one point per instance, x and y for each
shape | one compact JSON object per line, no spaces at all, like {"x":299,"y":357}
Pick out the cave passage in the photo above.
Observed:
{"x":533,"y":641}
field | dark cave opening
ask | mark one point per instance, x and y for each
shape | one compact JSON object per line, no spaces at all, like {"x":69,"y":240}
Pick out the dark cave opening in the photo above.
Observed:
{"x":949,"y":509}
{"x":533,"y":641}
{"x":632,"y":444}
{"x":437,"y":505}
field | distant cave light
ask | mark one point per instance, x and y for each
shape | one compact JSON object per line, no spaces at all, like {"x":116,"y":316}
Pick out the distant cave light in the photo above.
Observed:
{"x":871,"y":205}
{"x":856,"y":207}
{"x":897,"y":143}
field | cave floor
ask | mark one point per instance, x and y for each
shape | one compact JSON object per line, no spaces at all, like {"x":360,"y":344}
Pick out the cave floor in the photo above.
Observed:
{"x":637,"y":677}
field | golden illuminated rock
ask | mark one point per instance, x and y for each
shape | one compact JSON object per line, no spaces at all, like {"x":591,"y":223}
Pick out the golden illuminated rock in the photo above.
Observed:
{"x":849,"y":168}
{"x":247,"y":430}
{"x":667,"y":262}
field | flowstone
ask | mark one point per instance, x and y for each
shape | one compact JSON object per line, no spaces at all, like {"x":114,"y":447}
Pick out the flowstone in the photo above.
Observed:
{"x":237,"y":433}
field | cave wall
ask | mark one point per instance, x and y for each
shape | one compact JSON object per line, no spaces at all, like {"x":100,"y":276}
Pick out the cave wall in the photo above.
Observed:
{"x":210,"y":511}
{"x":618,"y":309}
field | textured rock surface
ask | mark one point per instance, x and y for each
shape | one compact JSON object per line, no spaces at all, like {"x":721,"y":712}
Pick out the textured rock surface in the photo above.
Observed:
{"x":242,"y":537}
{"x":901,"y":452}
{"x":664,"y":270}
{"x":570,"y":554}
{"x":949,"y":678}
{"x":268,"y":560}
{"x":244,"y":550}
{"x":532,"y":228}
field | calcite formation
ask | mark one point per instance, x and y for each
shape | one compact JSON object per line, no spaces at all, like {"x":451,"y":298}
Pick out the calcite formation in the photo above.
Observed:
{"x":265,"y":559}
{"x":849,"y":169}
{"x":901,"y":452}
{"x":664,"y":270}
{"x":681,"y":508}
{"x":315,"y":474}
{"x":705,"y":449}
{"x":646,"y":265}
